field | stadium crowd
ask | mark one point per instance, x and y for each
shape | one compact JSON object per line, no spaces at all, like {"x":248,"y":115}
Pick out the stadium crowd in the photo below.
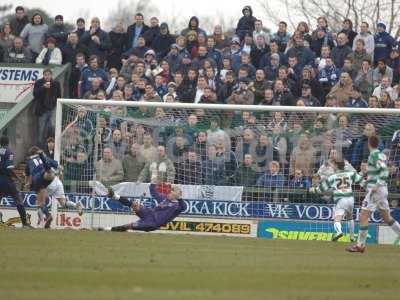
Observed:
{"x":145,"y":62}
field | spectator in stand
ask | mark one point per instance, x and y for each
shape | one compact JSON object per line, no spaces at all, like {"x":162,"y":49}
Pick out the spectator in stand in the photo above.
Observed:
{"x":193,"y":26}
{"x":72,"y":48}
{"x":133,"y":163}
{"x":117,"y":144}
{"x":359,"y":55}
{"x":17,"y":53}
{"x":58,"y":31}
{"x":348,"y":31}
{"x":34,"y":34}
{"x":307,"y":97}
{"x":272,"y":180}
{"x":50,"y":55}
{"x":282,"y":95}
{"x":394,"y":63}
{"x":148,"y":151}
{"x":258,"y":86}
{"x":383,"y":42}
{"x":46,"y":91}
{"x":160,"y":170}
{"x":97,"y":41}
{"x":6,"y":39}
{"x":152,"y":32}
{"x":304,"y":55}
{"x":303,"y":28}
{"x":282,"y":36}
{"x":356,"y":100}
{"x":95,"y":88}
{"x":118,"y":39}
{"x":189,"y":171}
{"x":373,"y":102}
{"x":77,"y":69}
{"x":259,"y":31}
{"x":386,"y":101}
{"x":360,"y":150}
{"x":246,"y":23}
{"x":343,"y":89}
{"x":367,"y":37}
{"x":303,"y":157}
{"x":19,"y":21}
{"x":221,"y":41}
{"x":341,"y":51}
{"x":109,"y":170}
{"x":246,"y":174}
{"x":162,"y":42}
{"x":319,"y":40}
{"x":242,"y":95}
{"x":93,"y":71}
{"x":299,"y":184}
{"x":384,"y":86}
{"x":80,"y":27}
{"x":259,"y":50}
{"x":380,"y":71}
{"x":213,"y":168}
{"x":364,"y":79}
{"x":342,"y":136}
{"x":134,"y":31}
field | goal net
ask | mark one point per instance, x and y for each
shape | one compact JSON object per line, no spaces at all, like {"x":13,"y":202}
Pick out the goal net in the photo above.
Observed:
{"x":255,"y":155}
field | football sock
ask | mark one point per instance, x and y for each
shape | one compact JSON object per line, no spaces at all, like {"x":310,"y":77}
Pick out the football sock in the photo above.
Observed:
{"x":22,"y":213}
{"x":395,"y":226}
{"x":351,"y":227}
{"x":70,"y":204}
{"x":362,"y":236}
{"x":338,"y":227}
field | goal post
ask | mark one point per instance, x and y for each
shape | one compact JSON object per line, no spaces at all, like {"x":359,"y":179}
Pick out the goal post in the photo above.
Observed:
{"x":219,"y":152}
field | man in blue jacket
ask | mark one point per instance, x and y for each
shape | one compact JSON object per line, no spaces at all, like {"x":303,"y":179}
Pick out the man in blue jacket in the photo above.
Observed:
{"x":383,"y":42}
{"x":150,"y":219}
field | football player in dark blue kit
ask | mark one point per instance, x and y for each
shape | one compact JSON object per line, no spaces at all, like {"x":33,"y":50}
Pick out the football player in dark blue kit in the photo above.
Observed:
{"x":7,"y":185}
{"x":41,"y":172}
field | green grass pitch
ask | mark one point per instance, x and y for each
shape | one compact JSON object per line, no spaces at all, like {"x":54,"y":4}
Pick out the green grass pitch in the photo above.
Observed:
{"x":103,"y":265}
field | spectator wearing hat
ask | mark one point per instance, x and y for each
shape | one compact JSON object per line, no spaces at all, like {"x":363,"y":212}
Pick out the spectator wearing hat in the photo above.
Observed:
{"x":383,"y":42}
{"x":50,"y":54}
{"x":162,"y":42}
{"x":97,"y":41}
{"x":367,"y":37}
{"x":19,"y":21}
{"x":234,"y":53}
{"x":34,"y":34}
{"x":193,"y":26}
{"x":58,"y":31}
{"x":80,"y":27}
{"x":118,"y":40}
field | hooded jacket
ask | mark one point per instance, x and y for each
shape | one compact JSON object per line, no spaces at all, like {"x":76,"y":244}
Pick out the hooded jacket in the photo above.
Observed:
{"x":162,"y":43}
{"x":195,"y":28}
{"x":245,"y":24}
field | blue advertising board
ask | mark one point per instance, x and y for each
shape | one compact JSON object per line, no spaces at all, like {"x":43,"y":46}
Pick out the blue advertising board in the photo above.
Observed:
{"x":213,"y":208}
{"x":307,"y":231}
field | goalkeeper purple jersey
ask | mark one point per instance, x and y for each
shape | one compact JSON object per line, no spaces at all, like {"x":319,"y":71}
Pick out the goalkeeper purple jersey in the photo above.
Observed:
{"x":164,"y":212}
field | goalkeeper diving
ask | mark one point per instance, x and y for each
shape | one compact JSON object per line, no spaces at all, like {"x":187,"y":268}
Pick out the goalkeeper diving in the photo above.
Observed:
{"x":340,"y":183}
{"x":170,"y":205}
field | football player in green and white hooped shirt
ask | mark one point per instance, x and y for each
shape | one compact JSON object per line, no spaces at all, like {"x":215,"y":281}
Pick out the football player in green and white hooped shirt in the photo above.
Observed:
{"x":376,"y":197}
{"x":340,"y":183}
